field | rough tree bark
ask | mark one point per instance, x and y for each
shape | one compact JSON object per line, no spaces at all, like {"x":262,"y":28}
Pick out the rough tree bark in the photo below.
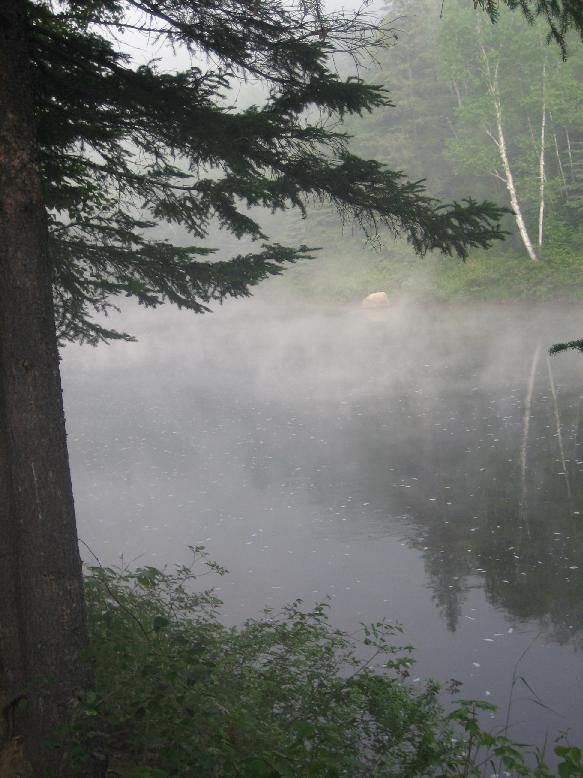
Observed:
{"x":42,"y":629}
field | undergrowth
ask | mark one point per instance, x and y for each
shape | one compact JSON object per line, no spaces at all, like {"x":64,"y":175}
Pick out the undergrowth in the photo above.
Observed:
{"x":285,"y":695}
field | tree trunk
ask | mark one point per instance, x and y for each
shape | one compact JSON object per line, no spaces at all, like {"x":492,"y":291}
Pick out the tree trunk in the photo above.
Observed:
{"x":541,"y":166}
{"x":510,"y":185}
{"x":43,"y":631}
{"x":500,"y":141}
{"x":457,"y":92}
{"x":570,"y":154}
{"x":559,"y":160}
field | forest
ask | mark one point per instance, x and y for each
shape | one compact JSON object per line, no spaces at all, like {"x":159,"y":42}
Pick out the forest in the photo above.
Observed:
{"x":481,"y":110}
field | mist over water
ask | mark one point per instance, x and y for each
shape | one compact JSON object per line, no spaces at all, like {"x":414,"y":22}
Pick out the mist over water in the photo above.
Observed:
{"x":379,"y":458}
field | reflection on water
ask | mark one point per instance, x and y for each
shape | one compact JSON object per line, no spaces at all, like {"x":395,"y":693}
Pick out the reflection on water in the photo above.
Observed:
{"x":423,"y":464}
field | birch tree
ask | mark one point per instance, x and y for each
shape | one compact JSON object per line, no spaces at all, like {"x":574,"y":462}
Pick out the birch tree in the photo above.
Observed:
{"x":541,"y":175}
{"x":512,"y":84}
{"x":499,"y":139}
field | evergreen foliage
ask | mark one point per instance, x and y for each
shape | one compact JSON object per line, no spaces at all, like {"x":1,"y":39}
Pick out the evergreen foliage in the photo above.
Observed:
{"x":560,"y":16}
{"x":126,"y":148}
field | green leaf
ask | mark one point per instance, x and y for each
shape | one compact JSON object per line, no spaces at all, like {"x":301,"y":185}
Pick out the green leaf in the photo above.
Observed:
{"x":159,"y":623}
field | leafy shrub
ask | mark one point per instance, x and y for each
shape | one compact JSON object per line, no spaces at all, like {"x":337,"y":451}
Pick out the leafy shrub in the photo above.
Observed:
{"x":286,"y":695}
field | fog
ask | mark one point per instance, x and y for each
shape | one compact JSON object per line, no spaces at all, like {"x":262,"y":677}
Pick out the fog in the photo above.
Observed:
{"x":372,"y":457}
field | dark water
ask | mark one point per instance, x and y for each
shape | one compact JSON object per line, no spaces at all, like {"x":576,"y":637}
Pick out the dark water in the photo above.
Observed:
{"x":422,"y":464}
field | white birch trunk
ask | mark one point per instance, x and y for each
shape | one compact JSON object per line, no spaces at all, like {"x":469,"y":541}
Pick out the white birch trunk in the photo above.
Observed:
{"x":457,"y":92}
{"x":510,"y":185}
{"x":541,"y":167}
{"x":500,"y":141}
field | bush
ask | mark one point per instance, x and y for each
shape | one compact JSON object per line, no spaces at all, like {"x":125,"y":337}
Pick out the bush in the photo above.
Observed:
{"x":180,"y":694}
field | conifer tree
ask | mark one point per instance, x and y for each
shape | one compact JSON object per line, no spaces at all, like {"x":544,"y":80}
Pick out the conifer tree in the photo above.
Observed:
{"x":124,"y":149}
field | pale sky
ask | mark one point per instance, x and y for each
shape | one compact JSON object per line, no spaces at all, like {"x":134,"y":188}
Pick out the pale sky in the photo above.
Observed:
{"x":141,"y":51}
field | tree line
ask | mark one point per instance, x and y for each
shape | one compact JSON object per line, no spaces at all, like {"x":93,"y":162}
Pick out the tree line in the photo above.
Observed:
{"x":486,"y":108}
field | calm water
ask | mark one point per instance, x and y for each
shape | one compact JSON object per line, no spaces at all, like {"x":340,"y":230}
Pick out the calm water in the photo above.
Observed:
{"x":423,"y":464}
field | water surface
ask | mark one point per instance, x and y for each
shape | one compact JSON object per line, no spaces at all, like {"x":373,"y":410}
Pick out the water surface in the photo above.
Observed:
{"x":422,"y":464}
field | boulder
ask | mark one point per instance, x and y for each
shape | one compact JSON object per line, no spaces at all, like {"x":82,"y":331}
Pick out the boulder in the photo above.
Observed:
{"x":376,"y":300}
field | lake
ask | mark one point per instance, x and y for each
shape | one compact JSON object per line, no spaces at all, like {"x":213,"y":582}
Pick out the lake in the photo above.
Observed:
{"x":419,"y":463}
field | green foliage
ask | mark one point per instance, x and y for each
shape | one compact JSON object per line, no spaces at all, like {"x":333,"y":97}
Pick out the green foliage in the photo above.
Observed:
{"x":572,"y":761}
{"x":442,"y":128}
{"x":354,"y":271}
{"x":285,"y":695}
{"x":482,"y":60}
{"x":127,"y":148}
{"x":473,"y":66}
{"x":575,"y":345}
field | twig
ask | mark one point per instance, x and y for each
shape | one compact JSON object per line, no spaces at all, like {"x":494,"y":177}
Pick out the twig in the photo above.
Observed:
{"x":112,"y":594}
